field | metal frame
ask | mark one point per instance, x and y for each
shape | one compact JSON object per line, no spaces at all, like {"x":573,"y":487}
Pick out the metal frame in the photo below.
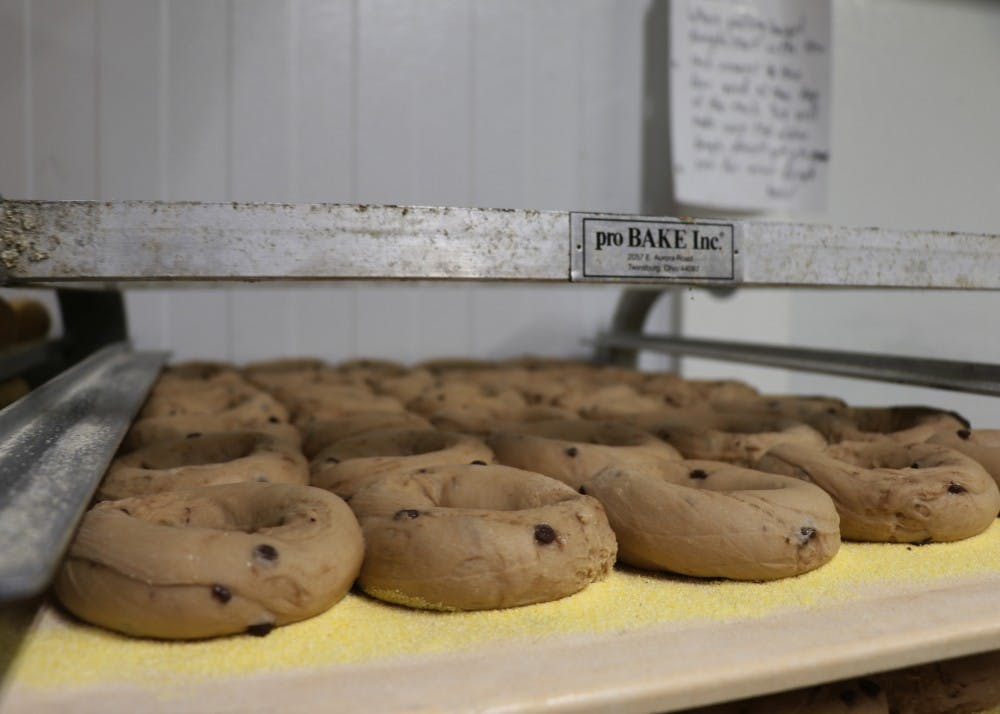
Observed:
{"x":60,"y":242}
{"x":55,"y":445}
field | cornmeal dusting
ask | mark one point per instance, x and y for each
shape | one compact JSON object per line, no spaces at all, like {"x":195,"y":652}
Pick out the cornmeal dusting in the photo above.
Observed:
{"x":61,"y":652}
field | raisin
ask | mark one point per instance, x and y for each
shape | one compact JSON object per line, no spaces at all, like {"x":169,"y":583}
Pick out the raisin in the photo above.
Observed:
{"x":545,"y":534}
{"x":410,"y":513}
{"x":265,"y":553}
{"x":221,"y":593}
{"x":963,"y":434}
{"x":699,"y":474}
{"x":582,"y":490}
{"x":572,"y":451}
{"x":273,"y":420}
{"x":477,"y":462}
{"x":260,"y":630}
{"x":956,"y":488}
{"x":193,"y":435}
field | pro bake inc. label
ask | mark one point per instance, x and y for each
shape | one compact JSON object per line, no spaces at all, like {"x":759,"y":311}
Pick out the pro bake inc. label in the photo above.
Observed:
{"x":654,"y":249}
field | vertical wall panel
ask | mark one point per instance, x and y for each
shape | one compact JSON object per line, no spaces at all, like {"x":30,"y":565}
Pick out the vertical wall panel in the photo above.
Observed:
{"x":130,"y":125}
{"x":322,"y":77}
{"x":191,"y":85}
{"x":14,"y":109}
{"x":128,"y":100}
{"x":259,"y":139}
{"x":64,"y":41}
{"x":196,"y":97}
{"x":470,"y":103}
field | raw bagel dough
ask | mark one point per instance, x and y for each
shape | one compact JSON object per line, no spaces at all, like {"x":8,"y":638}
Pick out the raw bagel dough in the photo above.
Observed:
{"x":32,"y":318}
{"x":205,"y":460}
{"x":891,"y":492}
{"x":738,"y":438}
{"x":178,"y":397}
{"x":258,"y":411}
{"x":321,"y":434}
{"x":502,"y":403}
{"x":710,"y":519}
{"x":350,"y":464}
{"x":980,"y":445}
{"x":573,"y":451}
{"x":905,"y":424}
{"x":480,"y":422}
{"x":212,"y":561}
{"x":460,"y":537}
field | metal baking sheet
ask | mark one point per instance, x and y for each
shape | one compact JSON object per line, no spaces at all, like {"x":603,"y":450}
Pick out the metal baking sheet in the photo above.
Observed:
{"x":632,"y":643}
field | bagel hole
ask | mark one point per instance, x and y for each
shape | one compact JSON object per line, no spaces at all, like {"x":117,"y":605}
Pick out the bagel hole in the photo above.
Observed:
{"x":218,"y":449}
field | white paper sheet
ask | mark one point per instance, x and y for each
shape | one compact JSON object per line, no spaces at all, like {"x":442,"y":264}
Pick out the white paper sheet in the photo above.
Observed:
{"x":750,"y":103}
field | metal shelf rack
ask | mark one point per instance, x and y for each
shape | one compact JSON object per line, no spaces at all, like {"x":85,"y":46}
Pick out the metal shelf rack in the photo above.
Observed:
{"x":89,"y":250}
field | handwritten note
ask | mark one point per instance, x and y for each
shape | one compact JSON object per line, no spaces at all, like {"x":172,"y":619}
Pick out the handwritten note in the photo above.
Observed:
{"x":749,"y":103}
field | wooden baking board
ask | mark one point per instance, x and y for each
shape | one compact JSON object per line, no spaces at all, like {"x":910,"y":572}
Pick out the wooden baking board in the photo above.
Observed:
{"x":635,"y":642}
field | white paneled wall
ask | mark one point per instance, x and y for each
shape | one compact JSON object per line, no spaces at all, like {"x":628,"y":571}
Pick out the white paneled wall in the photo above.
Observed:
{"x":493,"y":103}
{"x":534,"y":103}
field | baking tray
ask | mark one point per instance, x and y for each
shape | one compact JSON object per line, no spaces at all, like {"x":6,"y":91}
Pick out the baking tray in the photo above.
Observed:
{"x":635,"y":642}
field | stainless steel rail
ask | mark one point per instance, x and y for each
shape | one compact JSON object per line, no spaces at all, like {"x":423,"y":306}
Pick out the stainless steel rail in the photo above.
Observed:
{"x":55,"y":444}
{"x":972,"y":377}
{"x":138,"y":241}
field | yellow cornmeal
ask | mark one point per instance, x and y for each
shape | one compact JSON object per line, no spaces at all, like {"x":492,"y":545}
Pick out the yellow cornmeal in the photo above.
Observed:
{"x":64,"y":653}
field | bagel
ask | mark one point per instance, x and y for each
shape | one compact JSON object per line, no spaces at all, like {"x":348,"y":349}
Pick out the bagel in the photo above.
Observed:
{"x":607,"y":402}
{"x":284,"y":365}
{"x":802,"y":408}
{"x":204,"y":460}
{"x":738,"y":438}
{"x":404,"y":387}
{"x":350,"y":464}
{"x":980,"y":445}
{"x":572,"y":451}
{"x":336,"y":402}
{"x":212,"y":561}
{"x":198,"y":369}
{"x":503,"y":403}
{"x":897,"y":493}
{"x":710,"y":519}
{"x":320,"y":434}
{"x":258,"y":411}
{"x":177,"y":397}
{"x":460,"y":537}
{"x":475,"y":420}
{"x":905,"y":424}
